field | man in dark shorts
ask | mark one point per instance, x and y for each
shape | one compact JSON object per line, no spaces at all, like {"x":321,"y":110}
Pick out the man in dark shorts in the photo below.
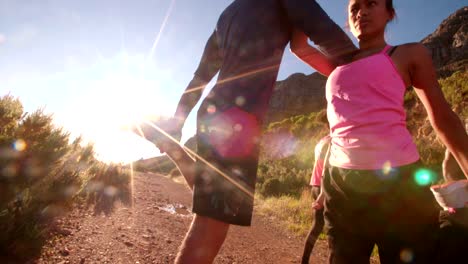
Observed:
{"x":245,"y":50}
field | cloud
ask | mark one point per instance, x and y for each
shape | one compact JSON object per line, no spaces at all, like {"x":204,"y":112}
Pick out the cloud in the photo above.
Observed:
{"x":2,"y":38}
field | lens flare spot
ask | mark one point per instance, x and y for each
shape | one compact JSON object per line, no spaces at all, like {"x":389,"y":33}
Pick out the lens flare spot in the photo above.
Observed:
{"x":94,"y":186}
{"x":280,"y":145}
{"x":202,"y":128}
{"x":406,"y":255}
{"x":211,"y":109}
{"x":111,"y":191}
{"x":237,"y":127}
{"x":240,"y":100}
{"x":19,"y":145}
{"x":70,"y":191}
{"x":237,"y":171}
{"x":424,"y":177}
{"x":224,"y":132}
{"x":387,"y":168}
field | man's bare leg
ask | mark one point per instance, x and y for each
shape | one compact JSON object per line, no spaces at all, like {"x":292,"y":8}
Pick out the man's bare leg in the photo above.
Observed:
{"x":183,"y":161}
{"x":169,"y":145}
{"x":205,"y":235}
{"x":203,"y":241}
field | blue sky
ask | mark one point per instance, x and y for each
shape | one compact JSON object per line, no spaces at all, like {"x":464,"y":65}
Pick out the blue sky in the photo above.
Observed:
{"x":98,"y":64}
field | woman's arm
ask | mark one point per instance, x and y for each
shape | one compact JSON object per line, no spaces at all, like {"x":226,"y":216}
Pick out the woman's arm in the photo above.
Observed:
{"x":318,"y":203}
{"x":450,"y":168}
{"x":308,"y":54}
{"x":445,"y":122}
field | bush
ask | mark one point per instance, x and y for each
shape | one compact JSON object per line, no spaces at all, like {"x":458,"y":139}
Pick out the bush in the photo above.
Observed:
{"x":271,"y":187}
{"x":107,"y":184}
{"x":42,"y":175}
{"x":294,"y":213}
{"x":455,"y":89}
{"x":282,"y":177}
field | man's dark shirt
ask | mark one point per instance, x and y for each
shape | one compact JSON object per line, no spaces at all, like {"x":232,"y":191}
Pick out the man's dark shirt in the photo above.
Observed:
{"x":248,"y":44}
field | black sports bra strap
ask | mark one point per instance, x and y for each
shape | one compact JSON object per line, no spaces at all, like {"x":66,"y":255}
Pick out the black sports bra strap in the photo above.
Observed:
{"x":390,"y":52}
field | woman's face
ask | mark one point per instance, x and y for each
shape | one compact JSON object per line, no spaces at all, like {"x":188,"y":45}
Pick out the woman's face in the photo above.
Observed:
{"x":368,"y":18}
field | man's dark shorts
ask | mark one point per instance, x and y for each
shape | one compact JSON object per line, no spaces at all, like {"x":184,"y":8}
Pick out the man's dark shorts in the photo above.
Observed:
{"x":226,"y":170}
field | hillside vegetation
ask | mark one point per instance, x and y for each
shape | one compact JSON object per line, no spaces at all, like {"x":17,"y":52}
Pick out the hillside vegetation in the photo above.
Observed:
{"x":43,"y":173}
{"x":287,"y":156}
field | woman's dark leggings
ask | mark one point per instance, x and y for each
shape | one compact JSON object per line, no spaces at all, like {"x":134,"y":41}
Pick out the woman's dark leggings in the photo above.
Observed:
{"x":384,"y":208}
{"x":317,"y":226}
{"x":453,"y":244}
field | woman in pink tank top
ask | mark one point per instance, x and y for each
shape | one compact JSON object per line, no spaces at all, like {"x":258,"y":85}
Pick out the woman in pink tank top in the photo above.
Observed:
{"x":371,"y":193}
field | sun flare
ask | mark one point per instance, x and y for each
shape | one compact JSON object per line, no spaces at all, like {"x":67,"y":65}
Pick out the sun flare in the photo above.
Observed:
{"x":121,"y":96}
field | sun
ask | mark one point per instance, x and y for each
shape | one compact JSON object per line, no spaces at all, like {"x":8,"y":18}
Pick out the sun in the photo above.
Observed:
{"x":122,"y":100}
{"x":129,"y":102}
{"x":120,"y":95}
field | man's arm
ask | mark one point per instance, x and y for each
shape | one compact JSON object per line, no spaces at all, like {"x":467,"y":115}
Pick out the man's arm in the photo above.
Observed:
{"x":308,"y":16}
{"x":171,"y":129}
{"x":314,"y":58}
{"x":209,"y":65}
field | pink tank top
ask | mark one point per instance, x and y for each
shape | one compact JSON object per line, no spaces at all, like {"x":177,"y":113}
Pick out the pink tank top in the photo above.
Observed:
{"x":366,"y":115}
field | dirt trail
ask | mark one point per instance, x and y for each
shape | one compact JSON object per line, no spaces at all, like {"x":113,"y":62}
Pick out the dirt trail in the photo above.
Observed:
{"x":152,"y":230}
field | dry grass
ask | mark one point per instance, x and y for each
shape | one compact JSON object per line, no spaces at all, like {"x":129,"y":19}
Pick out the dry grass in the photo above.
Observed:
{"x":293,"y":213}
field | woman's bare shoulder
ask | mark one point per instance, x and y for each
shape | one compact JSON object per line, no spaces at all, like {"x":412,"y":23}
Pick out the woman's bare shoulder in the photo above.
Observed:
{"x":413,"y":49}
{"x":412,"y":54}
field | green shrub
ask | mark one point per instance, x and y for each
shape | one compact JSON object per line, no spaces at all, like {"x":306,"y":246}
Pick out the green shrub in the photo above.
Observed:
{"x":42,"y":175}
{"x":271,"y":187}
{"x":455,"y":89}
{"x":107,"y":184}
{"x":282,"y":179}
{"x":294,"y":213}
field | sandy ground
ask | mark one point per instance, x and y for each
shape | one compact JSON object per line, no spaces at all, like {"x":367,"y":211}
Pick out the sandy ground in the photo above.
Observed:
{"x":152,"y":229}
